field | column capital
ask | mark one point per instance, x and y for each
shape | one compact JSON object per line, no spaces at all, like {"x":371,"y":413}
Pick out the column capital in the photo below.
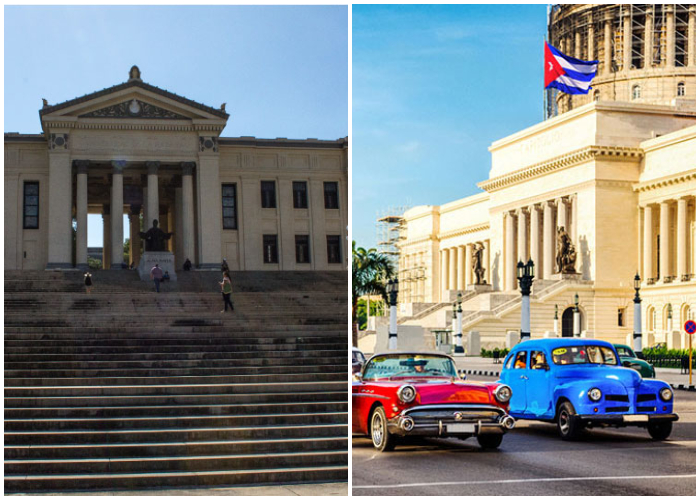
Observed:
{"x":668,"y":8}
{"x":152,"y":167}
{"x":187,"y":167}
{"x":547,"y":204}
{"x":534,"y":208}
{"x":82,"y":166}
{"x":118,"y":166}
{"x":562,"y":200}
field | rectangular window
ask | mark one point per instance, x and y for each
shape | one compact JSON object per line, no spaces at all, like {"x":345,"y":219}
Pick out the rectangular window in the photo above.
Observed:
{"x":228,"y":203}
{"x":333,"y":249}
{"x":330,"y":195}
{"x":267,"y":194}
{"x":270,"y":248}
{"x":31,"y":205}
{"x":620,"y":316}
{"x":302,"y":245}
{"x":299,"y":194}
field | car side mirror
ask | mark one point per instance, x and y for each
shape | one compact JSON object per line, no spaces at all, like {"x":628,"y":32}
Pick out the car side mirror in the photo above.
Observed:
{"x":542,"y":366}
{"x":356,"y":377}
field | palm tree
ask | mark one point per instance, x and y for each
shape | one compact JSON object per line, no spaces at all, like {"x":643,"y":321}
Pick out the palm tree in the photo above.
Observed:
{"x":370,"y":272}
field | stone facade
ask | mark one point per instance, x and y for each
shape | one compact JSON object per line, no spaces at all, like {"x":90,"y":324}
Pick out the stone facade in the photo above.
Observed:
{"x":157,"y":155}
{"x":619,"y":177}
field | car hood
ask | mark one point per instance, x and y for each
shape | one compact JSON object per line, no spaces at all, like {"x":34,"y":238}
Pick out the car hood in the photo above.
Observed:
{"x":626,"y":376}
{"x":450,"y":391}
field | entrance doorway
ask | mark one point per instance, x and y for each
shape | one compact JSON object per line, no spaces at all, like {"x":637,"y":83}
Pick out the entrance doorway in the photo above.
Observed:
{"x":567,"y":323}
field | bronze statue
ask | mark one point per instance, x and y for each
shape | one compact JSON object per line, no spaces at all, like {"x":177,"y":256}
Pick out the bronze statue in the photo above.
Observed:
{"x":478,"y":258}
{"x":566,"y":253}
{"x":155,"y":238}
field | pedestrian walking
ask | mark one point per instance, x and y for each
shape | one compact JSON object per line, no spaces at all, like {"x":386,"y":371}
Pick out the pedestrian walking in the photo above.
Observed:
{"x":226,"y":291}
{"x":88,"y":282}
{"x":156,"y":276}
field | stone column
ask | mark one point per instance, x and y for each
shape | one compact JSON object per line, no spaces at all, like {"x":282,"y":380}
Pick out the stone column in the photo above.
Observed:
{"x":548,"y":240}
{"x":487,"y":263}
{"x":509,"y":253}
{"x":573,"y":228}
{"x":577,"y":44}
{"x":648,"y":38}
{"x":152,"y":204}
{"x":134,"y":238}
{"x":106,"y":237}
{"x":561,"y":215}
{"x":648,"y":244}
{"x":590,"y":30}
{"x":535,"y":239}
{"x":60,"y":231}
{"x":81,"y":214}
{"x":670,"y":39}
{"x":626,"y":38}
{"x":461,"y":250}
{"x":209,"y":212}
{"x":664,"y":232}
{"x":522,"y":235}
{"x":453,"y":268}
{"x":681,"y":266}
{"x":607,"y":40}
{"x":444,"y":269}
{"x":117,"y":214}
{"x":188,"y":211}
{"x":691,"y":36}
{"x":468,"y":264}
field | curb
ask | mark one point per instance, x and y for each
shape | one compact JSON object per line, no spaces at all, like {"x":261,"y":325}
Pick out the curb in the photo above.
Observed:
{"x":682,"y":387}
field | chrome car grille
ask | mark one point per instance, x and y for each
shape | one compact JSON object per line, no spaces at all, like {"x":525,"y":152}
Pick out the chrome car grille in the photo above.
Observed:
{"x":622,"y":398}
{"x":646,"y":408}
{"x":446,"y":413}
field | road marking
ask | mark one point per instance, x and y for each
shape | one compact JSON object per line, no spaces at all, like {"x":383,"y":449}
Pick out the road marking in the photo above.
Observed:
{"x":533,"y":480}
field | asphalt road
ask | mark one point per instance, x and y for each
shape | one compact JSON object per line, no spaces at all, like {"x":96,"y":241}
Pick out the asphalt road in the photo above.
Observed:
{"x":533,"y":460}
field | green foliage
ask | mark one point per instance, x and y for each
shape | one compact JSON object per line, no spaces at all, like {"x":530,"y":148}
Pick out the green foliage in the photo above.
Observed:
{"x":361,"y":312}
{"x":502,"y":353}
{"x":94,"y":263}
{"x":370,"y":272}
{"x":662,"y":357}
{"x":127,"y":244}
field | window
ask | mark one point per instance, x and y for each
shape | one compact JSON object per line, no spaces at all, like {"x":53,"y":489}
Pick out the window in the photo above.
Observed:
{"x":636,"y":92}
{"x":333,"y":248}
{"x":330,"y":195}
{"x":302,"y":245}
{"x":228,"y":206}
{"x":596,"y":95}
{"x":299,"y":194}
{"x":621,"y":316}
{"x":520,"y":361}
{"x":680,"y":90}
{"x":267,"y":194}
{"x":31,"y":205}
{"x":270,"y":248}
{"x":537,"y":359}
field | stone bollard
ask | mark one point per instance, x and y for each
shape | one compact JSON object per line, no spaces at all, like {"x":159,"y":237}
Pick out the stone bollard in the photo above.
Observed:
{"x":548,"y":335}
{"x":629,"y":339}
{"x":473,"y":343}
{"x":512,"y":339}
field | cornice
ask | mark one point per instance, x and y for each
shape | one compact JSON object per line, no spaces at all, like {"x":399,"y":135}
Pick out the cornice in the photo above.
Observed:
{"x":560,"y":163}
{"x":416,"y":241}
{"x":669,"y":180}
{"x":464,"y":230}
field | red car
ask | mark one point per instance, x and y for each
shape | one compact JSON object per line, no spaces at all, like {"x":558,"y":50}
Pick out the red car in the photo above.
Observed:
{"x":402,"y":394}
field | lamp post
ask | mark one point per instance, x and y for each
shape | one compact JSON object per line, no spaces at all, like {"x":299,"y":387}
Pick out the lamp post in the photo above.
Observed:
{"x":637,"y":333}
{"x":669,"y":319}
{"x":393,"y":288}
{"x":556,"y":320}
{"x":457,"y":327}
{"x":526,"y":273}
{"x":577,"y":318}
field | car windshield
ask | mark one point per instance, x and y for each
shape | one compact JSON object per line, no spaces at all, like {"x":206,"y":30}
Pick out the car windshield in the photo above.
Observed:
{"x":409,"y":365}
{"x":624,"y":351}
{"x":580,"y":354}
{"x":358,"y":356}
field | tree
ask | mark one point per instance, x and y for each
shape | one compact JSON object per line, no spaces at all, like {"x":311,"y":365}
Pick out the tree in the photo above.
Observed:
{"x":370,"y":272}
{"x":127,"y":244}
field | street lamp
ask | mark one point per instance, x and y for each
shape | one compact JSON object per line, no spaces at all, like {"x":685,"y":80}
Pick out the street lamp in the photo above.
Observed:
{"x":637,"y":333}
{"x":556,"y":320}
{"x":577,"y":318}
{"x":669,"y":318}
{"x":526,"y":273}
{"x":392,"y":288}
{"x":457,"y":326}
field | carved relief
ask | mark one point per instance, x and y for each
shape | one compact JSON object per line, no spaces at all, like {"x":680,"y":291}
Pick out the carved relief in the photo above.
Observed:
{"x":209,"y":144}
{"x":58,"y":141}
{"x":134,"y":109}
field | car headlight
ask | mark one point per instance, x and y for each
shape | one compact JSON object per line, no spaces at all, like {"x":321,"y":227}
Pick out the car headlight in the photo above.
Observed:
{"x":407,"y":393}
{"x":595,"y":394}
{"x":666,"y":394}
{"x":503,"y":393}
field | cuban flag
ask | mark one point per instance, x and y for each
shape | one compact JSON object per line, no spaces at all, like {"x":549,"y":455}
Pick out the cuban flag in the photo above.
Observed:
{"x":567,"y":74}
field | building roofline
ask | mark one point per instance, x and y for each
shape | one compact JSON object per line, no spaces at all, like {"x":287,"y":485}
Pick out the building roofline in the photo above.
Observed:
{"x":17,"y":137}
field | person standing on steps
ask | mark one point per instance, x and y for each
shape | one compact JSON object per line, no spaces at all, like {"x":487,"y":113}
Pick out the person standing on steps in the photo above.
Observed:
{"x":187,"y":266}
{"x":156,"y":276}
{"x":226,"y":291}
{"x":88,"y":282}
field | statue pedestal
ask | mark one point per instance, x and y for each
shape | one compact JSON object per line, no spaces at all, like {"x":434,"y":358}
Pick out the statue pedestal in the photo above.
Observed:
{"x":165,"y":260}
{"x":567,"y":276}
{"x":479,"y":288}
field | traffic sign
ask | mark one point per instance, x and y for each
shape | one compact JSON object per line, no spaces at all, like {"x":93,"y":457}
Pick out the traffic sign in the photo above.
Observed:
{"x":689,"y":327}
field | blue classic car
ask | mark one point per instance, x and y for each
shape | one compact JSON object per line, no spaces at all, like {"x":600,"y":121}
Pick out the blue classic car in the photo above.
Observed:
{"x":580,"y":383}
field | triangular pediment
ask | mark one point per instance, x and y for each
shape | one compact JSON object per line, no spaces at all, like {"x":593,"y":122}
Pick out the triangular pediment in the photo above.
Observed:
{"x":134,"y":108}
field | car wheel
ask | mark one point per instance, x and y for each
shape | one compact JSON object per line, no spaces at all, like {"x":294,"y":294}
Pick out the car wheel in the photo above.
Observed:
{"x":569,"y":429}
{"x":660,"y":431}
{"x":490,"y":441}
{"x":381,"y":439}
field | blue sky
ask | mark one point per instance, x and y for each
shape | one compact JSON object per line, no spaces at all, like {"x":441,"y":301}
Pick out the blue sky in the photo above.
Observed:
{"x":433,"y":87}
{"x":282,"y":70}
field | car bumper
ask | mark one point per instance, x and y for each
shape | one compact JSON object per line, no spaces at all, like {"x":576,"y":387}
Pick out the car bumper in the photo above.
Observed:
{"x":625,"y":420}
{"x":451,"y":420}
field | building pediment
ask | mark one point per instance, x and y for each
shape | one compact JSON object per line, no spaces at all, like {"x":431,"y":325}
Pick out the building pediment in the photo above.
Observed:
{"x":133,"y":102}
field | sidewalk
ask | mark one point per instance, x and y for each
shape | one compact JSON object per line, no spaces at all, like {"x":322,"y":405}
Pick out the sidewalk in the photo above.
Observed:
{"x":305,"y":490}
{"x":475,"y":365}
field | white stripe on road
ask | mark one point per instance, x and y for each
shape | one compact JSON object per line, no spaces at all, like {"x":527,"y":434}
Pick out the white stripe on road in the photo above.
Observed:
{"x":533,"y":480}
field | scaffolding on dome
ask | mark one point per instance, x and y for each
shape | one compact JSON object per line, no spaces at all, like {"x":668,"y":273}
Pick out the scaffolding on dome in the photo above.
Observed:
{"x":390,"y":227}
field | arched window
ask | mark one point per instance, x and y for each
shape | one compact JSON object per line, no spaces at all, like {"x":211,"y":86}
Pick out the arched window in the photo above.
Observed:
{"x":680,"y":90}
{"x":636,"y":92}
{"x":651,"y":319}
{"x":596,"y":95}
{"x":685,"y":314}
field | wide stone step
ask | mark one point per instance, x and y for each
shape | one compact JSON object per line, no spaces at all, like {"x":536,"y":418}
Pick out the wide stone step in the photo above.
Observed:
{"x":171,"y":464}
{"x":160,"y":348}
{"x":243,"y":343}
{"x":182,"y":334}
{"x":175,"y":479}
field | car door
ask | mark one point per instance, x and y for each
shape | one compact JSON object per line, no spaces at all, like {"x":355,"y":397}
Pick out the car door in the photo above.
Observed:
{"x":517,"y":381}
{"x":538,"y":390}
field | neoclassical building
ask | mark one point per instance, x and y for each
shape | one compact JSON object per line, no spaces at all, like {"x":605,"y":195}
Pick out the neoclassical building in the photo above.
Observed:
{"x":136,"y":149}
{"x":618,"y":174}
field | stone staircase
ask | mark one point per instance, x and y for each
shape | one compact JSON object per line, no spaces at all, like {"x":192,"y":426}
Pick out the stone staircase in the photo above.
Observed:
{"x":126,"y":389}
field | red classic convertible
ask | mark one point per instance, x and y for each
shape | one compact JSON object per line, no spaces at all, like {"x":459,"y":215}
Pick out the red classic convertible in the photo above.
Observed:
{"x":420,"y":394}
